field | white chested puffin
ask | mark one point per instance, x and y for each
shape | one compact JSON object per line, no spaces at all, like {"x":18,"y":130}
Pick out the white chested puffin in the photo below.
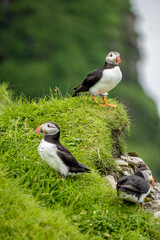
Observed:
{"x":102,"y":80}
{"x":136,"y":187}
{"x":55,"y":154}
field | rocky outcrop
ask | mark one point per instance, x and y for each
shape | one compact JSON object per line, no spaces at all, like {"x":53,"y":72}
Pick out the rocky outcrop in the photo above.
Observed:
{"x":127,"y":165}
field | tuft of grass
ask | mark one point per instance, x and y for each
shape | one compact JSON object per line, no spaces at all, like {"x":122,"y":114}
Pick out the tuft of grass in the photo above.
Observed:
{"x":86,"y":202}
{"x":5,"y":93}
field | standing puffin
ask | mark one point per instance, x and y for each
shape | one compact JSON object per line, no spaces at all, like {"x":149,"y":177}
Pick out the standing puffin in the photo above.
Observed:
{"x":136,"y":187}
{"x":102,"y":80}
{"x":55,"y":154}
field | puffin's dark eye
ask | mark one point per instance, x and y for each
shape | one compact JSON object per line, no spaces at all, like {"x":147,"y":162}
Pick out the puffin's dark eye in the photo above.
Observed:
{"x":48,"y":125}
{"x":111,"y":55}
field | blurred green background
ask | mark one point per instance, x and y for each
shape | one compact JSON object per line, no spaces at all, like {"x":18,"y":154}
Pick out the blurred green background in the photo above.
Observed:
{"x":56,"y":43}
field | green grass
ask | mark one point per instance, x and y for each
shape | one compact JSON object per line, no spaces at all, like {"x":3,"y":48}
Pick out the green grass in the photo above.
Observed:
{"x":21,"y":217}
{"x":81,"y":207}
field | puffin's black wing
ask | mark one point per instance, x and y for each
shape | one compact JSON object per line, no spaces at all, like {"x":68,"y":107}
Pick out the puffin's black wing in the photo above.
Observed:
{"x":70,"y":161}
{"x":121,"y":182}
{"x":91,"y":79}
{"x":133,"y":185}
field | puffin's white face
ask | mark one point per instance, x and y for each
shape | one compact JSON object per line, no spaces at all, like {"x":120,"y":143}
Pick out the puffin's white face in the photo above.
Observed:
{"x":148,"y":176}
{"x":113,"y":58}
{"x":48,"y":128}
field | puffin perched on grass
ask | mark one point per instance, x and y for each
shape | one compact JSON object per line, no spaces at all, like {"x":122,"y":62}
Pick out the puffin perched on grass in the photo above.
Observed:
{"x":55,"y":154}
{"x":136,"y":187}
{"x":102,"y":80}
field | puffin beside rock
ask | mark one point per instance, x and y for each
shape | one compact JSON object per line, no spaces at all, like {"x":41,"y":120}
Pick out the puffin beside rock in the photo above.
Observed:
{"x":55,"y":154}
{"x":102,"y":80}
{"x":136,"y":187}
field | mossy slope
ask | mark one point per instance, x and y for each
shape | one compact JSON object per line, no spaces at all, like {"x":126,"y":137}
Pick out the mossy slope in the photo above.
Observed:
{"x":93,"y":134}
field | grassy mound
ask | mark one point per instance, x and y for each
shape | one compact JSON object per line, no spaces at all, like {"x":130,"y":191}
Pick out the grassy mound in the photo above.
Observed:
{"x":83,"y":206}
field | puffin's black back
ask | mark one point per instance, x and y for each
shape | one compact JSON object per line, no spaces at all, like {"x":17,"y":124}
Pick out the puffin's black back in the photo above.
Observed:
{"x":133,"y":185}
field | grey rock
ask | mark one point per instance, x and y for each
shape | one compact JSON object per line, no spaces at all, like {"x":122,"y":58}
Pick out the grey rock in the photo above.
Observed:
{"x":122,"y":162}
{"x":112,"y":181}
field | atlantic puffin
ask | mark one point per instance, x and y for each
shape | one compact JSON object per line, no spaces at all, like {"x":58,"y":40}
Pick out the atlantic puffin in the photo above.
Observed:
{"x":136,"y":187}
{"x":102,"y":80}
{"x":55,"y":154}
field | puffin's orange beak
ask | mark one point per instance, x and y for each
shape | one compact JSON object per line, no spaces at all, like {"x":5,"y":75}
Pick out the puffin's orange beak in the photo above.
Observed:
{"x":118,"y":59}
{"x":39,"y":130}
{"x":152,"y":182}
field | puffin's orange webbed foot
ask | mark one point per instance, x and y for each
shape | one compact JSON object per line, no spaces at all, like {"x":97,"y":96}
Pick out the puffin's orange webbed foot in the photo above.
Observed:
{"x":61,"y":177}
{"x":110,"y":105}
{"x":107,"y":104}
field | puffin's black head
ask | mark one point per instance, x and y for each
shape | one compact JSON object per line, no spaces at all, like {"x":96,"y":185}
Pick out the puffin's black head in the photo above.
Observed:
{"x":113,"y":58}
{"x":48,"y":128}
{"x":146,"y":174}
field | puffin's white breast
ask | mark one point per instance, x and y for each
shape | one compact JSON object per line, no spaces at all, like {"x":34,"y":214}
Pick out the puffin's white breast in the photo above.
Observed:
{"x":110,"y":78}
{"x":132,"y":198}
{"x":48,"y":152}
{"x":143,"y":196}
{"x":128,"y":197}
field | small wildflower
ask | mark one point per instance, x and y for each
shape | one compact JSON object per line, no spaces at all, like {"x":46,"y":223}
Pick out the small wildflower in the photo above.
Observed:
{"x":56,"y":89}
